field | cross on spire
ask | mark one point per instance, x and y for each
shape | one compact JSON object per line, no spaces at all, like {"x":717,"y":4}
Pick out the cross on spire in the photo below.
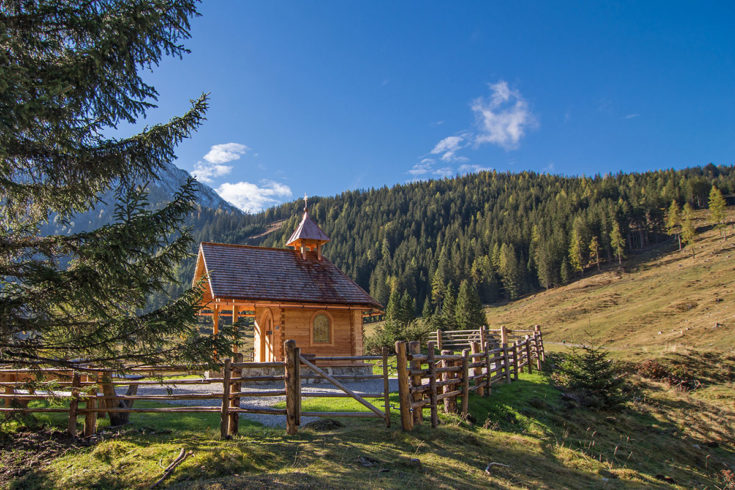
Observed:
{"x":306,"y":202}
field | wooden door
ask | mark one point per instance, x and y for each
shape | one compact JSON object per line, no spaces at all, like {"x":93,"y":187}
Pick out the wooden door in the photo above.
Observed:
{"x":268,"y":331}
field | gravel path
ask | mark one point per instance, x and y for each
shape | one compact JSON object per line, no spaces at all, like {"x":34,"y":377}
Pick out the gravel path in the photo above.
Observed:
{"x":359,"y":387}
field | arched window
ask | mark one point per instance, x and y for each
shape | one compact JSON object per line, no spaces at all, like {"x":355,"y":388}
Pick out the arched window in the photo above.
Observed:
{"x":321,"y":329}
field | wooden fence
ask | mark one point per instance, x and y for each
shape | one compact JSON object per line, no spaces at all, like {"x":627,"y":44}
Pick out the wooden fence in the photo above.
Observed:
{"x":456,"y":340}
{"x":425,"y":381}
{"x":93,"y":392}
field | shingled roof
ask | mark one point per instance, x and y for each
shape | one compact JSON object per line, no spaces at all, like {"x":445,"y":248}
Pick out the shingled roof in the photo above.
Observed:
{"x":307,"y":230}
{"x":274,"y":274}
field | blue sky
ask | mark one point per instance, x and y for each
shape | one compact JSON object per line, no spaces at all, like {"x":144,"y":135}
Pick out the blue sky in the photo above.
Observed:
{"x":323,"y":96}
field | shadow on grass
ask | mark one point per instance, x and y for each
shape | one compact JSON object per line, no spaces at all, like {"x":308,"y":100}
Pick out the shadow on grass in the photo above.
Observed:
{"x":645,"y":441}
{"x":533,"y":432}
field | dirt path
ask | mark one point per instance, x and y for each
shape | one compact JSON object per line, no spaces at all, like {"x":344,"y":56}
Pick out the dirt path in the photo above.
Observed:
{"x":361,"y":388}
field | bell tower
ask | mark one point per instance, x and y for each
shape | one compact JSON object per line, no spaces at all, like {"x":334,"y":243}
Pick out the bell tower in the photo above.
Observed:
{"x":308,"y":235}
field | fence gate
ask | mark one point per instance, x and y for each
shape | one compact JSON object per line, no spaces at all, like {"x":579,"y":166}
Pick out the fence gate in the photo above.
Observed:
{"x":295,"y":360}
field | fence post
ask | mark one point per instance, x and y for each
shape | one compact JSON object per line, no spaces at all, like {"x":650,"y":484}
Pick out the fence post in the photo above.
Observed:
{"x":465,"y":382}
{"x":108,"y":391}
{"x":224,"y":424}
{"x":293,"y":386}
{"x":476,"y":350}
{"x":386,"y":387}
{"x":445,"y":377}
{"x":488,"y":373}
{"x":503,"y":335}
{"x":537,"y":352}
{"x":540,"y":343}
{"x":432,"y":383}
{"x":506,"y":362}
{"x":90,"y":420}
{"x":528,"y":355}
{"x":516,"y":353}
{"x":235,"y":402}
{"x":439,"y":339}
{"x":403,"y":390}
{"x":74,"y":404}
{"x":414,"y":347}
{"x":483,"y":338}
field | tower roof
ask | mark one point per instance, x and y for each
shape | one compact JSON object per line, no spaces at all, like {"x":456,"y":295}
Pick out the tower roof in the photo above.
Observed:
{"x":307,"y":230}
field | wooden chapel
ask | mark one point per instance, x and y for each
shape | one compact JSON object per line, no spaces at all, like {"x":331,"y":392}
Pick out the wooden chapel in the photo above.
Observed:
{"x":293,"y":293}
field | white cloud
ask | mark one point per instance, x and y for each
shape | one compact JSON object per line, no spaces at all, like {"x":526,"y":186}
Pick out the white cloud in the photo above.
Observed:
{"x":471,"y":169}
{"x":632,"y":116}
{"x":205,"y":172}
{"x":423,"y":167}
{"x":252,"y":198}
{"x":448,"y":147}
{"x":213,"y":166}
{"x":444,"y":172}
{"x":504,"y":118}
{"x":225,"y":152}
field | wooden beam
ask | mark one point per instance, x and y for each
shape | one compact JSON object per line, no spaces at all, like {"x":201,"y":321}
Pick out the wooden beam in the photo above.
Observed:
{"x":342,"y":387}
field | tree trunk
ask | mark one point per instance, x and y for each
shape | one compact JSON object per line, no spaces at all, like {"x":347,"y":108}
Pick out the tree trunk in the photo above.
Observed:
{"x":117,"y":418}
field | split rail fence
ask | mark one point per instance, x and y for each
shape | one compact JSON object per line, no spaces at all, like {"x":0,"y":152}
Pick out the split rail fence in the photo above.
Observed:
{"x":430,"y":381}
{"x":426,"y":381}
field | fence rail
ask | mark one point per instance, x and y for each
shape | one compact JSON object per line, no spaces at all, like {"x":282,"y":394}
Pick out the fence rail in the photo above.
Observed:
{"x":426,"y":381}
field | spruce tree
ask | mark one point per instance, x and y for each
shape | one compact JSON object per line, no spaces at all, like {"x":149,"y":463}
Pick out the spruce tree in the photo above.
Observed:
{"x":597,"y":381}
{"x":595,"y":252}
{"x":673,"y":221}
{"x":717,"y":210}
{"x":393,"y":310}
{"x":469,"y":314}
{"x":617,"y":242}
{"x":70,"y":74}
{"x":576,"y":252}
{"x":449,"y":309}
{"x":565,"y":272}
{"x":408,"y":308}
{"x":510,"y":271}
{"x":688,"y":231}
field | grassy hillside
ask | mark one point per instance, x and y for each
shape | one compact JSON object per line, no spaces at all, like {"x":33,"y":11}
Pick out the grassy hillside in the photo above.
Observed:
{"x":665,"y":437}
{"x":657,"y":302}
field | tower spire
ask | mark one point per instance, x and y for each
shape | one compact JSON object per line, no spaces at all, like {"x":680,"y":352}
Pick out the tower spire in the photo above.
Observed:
{"x":308,"y":235}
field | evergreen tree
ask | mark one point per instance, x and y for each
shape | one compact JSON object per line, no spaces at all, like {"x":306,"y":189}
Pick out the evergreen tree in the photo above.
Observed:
{"x":617,"y":242}
{"x":673,"y":221}
{"x":394,"y":305}
{"x":448,"y":317}
{"x":70,"y":74}
{"x":717,"y":210}
{"x":565,"y":272}
{"x":495,"y":256}
{"x":510,"y":271}
{"x":469,"y":314}
{"x":597,"y":381}
{"x":544,"y":266}
{"x":427,"y":310}
{"x":408,"y":308}
{"x":595,"y":251}
{"x":576,"y":255}
{"x":688,"y":231}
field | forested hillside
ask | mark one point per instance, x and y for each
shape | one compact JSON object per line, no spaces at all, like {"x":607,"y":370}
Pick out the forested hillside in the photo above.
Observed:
{"x":509,"y":233}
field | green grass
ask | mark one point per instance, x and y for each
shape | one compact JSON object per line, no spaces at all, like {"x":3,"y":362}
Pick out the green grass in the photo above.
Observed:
{"x":340,"y":404}
{"x":524,"y":425}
